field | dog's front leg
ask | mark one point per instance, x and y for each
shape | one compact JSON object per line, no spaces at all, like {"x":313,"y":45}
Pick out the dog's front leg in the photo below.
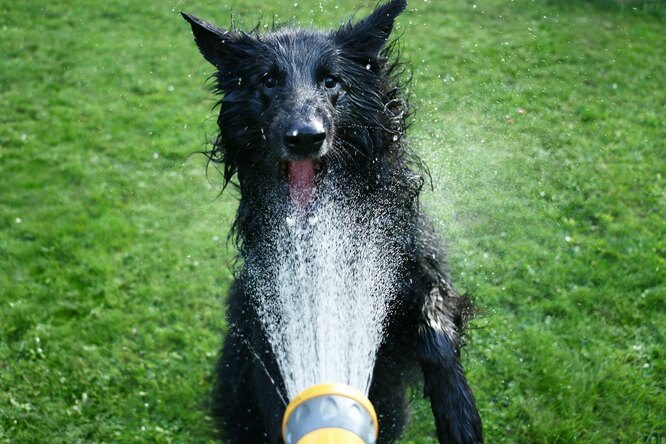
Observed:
{"x":456,"y":416}
{"x":268,"y":388}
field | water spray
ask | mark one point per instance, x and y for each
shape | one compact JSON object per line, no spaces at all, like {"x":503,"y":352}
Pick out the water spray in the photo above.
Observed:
{"x":330,"y":414}
{"x":323,"y":290}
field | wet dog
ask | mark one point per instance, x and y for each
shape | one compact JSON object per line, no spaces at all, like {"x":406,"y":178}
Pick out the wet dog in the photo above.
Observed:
{"x":301,"y":110}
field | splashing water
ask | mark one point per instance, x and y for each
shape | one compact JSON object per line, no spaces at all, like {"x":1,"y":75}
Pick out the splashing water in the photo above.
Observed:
{"x":324,"y":295}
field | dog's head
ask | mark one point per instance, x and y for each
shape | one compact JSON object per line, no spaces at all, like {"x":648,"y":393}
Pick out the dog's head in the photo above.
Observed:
{"x":294,"y":101}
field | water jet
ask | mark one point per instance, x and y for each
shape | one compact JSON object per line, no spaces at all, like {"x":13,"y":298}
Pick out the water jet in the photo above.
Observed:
{"x":324,"y":298}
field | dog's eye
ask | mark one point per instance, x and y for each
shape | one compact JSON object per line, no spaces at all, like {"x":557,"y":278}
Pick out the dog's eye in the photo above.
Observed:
{"x":269,"y":81}
{"x":330,"y":82}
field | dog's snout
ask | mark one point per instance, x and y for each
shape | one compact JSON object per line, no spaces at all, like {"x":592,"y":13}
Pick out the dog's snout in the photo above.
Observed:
{"x":305,"y":138}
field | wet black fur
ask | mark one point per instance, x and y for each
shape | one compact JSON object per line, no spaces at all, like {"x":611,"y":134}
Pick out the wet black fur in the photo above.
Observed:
{"x":365,"y":121}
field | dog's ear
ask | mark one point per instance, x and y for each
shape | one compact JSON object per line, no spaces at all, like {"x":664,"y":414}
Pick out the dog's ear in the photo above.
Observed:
{"x":218,"y":46}
{"x":366,"y":38}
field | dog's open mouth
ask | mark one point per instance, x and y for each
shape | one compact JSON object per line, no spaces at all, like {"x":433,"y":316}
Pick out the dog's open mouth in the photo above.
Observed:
{"x":303,"y":177}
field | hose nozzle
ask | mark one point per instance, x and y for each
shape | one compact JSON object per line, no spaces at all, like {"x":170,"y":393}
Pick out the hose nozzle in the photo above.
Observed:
{"x":330,"y":414}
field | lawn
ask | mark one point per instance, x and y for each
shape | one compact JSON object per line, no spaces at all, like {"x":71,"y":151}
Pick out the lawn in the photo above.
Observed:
{"x":544,"y":125}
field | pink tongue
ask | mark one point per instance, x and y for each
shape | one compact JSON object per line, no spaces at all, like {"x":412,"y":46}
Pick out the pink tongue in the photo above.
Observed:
{"x":301,"y":181}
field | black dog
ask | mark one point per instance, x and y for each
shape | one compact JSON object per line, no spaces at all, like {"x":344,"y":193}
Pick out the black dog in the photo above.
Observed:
{"x":301,"y":110}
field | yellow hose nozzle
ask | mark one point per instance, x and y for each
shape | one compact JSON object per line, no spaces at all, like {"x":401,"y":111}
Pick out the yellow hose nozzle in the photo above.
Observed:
{"x":330,"y":414}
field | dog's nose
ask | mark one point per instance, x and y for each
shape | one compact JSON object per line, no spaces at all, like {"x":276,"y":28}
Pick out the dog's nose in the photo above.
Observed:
{"x":305,"y":138}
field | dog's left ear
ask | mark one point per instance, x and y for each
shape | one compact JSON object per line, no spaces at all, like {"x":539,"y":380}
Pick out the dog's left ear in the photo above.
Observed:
{"x":366,"y":39}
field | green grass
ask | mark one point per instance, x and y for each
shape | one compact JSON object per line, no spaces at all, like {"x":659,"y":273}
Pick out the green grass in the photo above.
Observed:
{"x":544,"y":124}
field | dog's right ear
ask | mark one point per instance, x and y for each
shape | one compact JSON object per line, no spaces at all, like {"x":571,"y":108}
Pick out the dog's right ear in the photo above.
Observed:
{"x":218,"y":46}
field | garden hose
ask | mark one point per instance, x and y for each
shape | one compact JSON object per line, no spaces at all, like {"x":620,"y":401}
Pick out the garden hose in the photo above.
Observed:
{"x":330,"y":414}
